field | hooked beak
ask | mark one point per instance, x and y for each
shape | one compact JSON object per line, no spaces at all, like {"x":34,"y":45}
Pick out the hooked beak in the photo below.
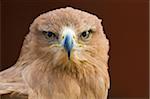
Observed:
{"x":68,"y":43}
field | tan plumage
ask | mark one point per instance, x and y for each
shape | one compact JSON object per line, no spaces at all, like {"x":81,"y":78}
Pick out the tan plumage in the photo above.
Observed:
{"x":44,"y":71}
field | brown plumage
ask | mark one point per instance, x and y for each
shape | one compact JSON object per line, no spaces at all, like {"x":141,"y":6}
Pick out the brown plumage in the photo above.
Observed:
{"x":45,"y":70}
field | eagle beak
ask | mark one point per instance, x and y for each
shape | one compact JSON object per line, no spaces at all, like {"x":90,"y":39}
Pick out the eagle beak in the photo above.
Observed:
{"x":68,"y":43}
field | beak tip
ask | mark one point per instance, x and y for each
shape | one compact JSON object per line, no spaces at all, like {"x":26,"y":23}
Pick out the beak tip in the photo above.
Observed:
{"x":69,"y":56}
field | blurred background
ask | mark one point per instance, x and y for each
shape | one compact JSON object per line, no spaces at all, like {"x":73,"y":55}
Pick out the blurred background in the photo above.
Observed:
{"x":125,"y":22}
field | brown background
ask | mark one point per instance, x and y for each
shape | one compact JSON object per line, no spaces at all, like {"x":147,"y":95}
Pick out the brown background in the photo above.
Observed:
{"x":125,"y":23}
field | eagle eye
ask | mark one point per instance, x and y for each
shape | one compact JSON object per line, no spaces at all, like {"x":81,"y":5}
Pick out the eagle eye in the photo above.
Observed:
{"x":49,"y":35}
{"x":86,"y":34}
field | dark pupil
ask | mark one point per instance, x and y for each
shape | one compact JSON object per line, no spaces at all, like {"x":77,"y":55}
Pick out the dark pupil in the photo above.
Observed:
{"x":84,"y":34}
{"x":50,"y":34}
